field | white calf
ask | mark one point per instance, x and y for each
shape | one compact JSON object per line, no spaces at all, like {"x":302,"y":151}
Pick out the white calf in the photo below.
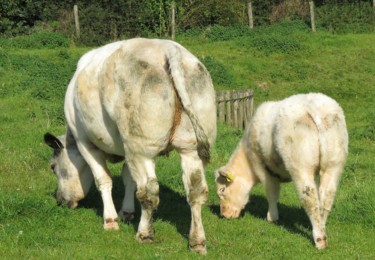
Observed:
{"x":302,"y":139}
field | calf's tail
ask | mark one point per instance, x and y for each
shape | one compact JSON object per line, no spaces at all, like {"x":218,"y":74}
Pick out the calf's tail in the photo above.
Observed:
{"x":330,"y":127}
{"x":177,"y":73}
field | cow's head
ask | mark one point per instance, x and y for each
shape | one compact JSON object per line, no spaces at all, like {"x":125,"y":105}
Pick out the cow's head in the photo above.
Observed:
{"x":73,"y":174}
{"x":233,"y":190}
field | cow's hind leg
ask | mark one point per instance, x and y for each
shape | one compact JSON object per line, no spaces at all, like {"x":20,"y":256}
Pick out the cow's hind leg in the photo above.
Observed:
{"x":308,"y":193}
{"x":143,"y":173}
{"x":196,"y":190}
{"x":127,"y":210}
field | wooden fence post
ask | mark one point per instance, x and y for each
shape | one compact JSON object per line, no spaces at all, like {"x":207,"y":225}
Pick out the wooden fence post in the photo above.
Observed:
{"x":250,"y":14}
{"x":173,"y":19}
{"x":221,"y":106}
{"x":250,"y":105}
{"x":235,"y":108}
{"x":312,"y":15}
{"x":242,"y":111}
{"x":76,"y":20}
{"x":229,"y":108}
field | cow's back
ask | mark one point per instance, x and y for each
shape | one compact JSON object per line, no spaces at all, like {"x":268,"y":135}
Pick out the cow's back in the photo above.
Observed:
{"x":124,"y":91}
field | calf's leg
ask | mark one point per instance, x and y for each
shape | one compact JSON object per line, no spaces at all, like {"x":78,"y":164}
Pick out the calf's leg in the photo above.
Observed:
{"x":308,"y":194}
{"x":327,"y":189}
{"x":272,"y":187}
{"x":196,"y":190}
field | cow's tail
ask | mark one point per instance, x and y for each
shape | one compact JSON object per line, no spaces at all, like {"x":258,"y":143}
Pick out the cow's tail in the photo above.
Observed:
{"x":177,"y":73}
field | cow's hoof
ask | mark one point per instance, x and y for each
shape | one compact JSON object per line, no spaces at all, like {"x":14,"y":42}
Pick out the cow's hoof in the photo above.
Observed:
{"x":111,"y":224}
{"x":321,"y":243}
{"x":143,"y":238}
{"x":127,"y":217}
{"x":199,"y":248}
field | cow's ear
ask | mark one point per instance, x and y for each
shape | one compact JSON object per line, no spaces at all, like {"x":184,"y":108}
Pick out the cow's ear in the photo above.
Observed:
{"x":53,"y":142}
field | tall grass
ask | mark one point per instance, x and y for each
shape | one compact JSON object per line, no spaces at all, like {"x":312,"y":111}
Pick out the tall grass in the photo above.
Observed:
{"x":32,"y":87}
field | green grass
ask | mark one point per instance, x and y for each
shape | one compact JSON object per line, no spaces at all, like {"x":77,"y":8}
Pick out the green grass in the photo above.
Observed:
{"x":32,"y":87}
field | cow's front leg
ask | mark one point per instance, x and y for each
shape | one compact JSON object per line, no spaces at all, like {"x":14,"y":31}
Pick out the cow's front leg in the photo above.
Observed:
{"x":143,"y":173}
{"x":196,"y":190}
{"x":127,"y":210}
{"x":103,"y":180}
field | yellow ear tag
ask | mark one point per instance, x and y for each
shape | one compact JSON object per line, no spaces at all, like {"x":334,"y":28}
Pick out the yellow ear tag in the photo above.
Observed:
{"x":229,"y":176}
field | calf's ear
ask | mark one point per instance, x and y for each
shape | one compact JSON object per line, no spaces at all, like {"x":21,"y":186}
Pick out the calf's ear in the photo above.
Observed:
{"x":53,"y":142}
{"x":219,"y":172}
{"x":226,"y":174}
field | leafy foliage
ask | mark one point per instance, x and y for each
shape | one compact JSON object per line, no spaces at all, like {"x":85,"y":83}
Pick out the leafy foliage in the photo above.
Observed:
{"x":37,"y":40}
{"x":103,"y":21}
{"x":225,"y":33}
{"x":218,"y":71}
{"x":348,"y":17}
{"x":291,"y":9}
{"x":272,"y":44}
{"x":284,"y":37}
{"x":211,"y":12}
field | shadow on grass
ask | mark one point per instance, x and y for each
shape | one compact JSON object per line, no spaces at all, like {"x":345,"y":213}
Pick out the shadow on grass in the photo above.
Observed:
{"x":292,"y":219}
{"x":173,"y":207}
{"x":93,"y":200}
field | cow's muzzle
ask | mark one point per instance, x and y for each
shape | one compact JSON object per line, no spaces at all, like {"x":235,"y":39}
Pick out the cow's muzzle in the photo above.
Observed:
{"x":62,"y":201}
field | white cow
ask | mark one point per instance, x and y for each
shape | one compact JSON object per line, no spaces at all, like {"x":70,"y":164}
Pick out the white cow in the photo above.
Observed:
{"x":302,"y":139}
{"x":136,"y":99}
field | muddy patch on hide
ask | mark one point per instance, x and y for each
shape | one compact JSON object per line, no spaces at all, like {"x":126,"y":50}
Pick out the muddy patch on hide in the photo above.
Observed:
{"x":306,"y":121}
{"x":198,"y":192}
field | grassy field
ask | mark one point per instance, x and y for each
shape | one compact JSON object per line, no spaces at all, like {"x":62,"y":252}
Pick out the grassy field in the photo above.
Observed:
{"x":276,"y":63}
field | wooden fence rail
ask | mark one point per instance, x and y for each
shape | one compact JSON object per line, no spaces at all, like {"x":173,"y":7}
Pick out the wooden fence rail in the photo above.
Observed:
{"x":235,"y":107}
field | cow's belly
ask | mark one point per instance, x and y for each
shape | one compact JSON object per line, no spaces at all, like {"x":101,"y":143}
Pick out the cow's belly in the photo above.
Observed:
{"x":279,"y":171}
{"x":105,"y":136}
{"x":276,"y":167}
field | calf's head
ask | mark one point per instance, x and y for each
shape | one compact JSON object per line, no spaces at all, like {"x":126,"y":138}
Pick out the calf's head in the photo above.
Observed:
{"x":73,"y":174}
{"x":233,"y":191}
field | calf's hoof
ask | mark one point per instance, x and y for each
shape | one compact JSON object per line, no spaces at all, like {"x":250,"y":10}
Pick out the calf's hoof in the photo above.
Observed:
{"x":127,"y":217}
{"x":111,"y":224}
{"x":272,"y":218}
{"x":321,"y":242}
{"x":199,"y":248}
{"x":144,"y":238}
